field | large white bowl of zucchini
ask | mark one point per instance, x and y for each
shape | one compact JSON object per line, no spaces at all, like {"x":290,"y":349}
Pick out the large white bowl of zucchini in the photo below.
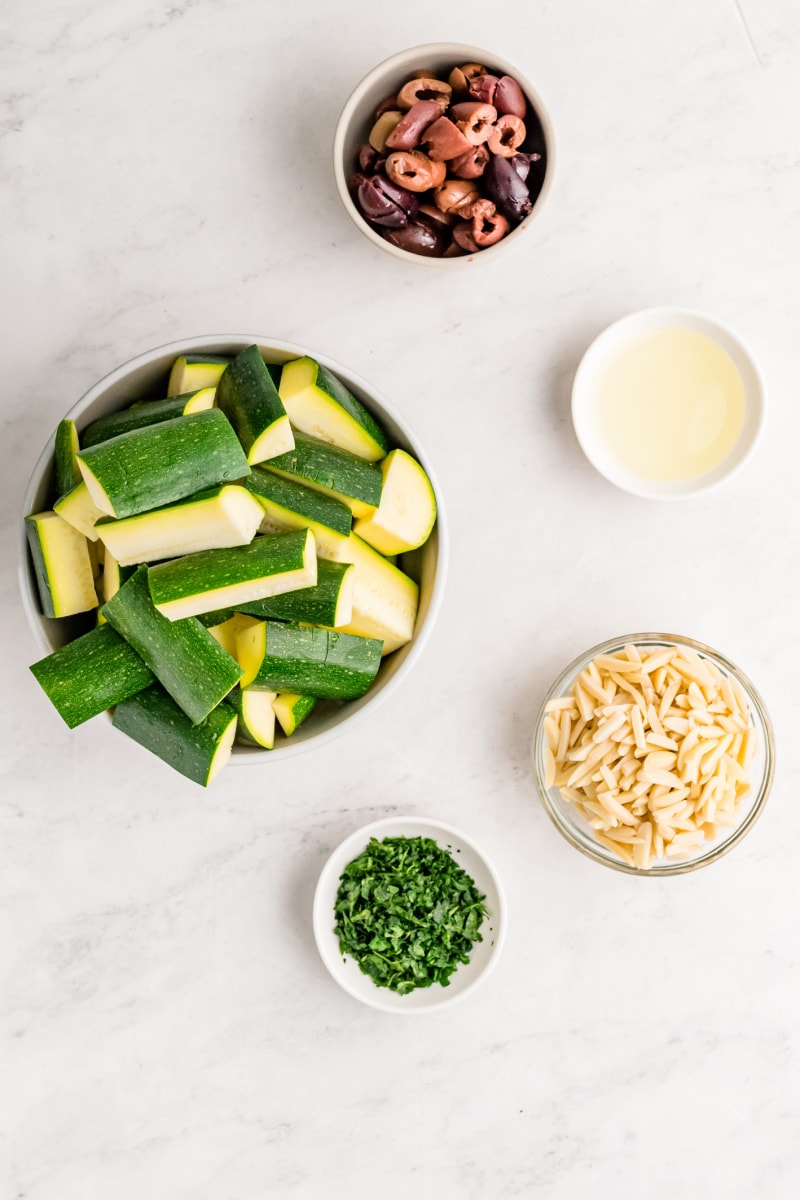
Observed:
{"x":233,"y":545}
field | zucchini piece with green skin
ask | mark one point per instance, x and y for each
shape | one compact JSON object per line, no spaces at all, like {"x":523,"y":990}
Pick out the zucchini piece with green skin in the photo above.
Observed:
{"x":65,"y":458}
{"x":156,"y":722}
{"x":214,"y":579}
{"x":184,"y":657}
{"x":61,"y":564}
{"x":385,"y":599}
{"x":286,"y":498}
{"x":250,"y":401}
{"x":223,"y":516}
{"x":407,"y":511}
{"x":191,"y":372}
{"x":309,"y":660}
{"x":256,"y":716}
{"x":90,"y":674}
{"x":333,"y":472}
{"x":320,"y":405}
{"x":159,"y":464}
{"x":79,"y":509}
{"x":113,"y":576}
{"x":292,"y":709}
{"x":147,"y":412}
{"x":328,"y":602}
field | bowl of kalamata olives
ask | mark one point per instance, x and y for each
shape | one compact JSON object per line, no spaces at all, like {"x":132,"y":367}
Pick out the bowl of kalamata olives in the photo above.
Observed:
{"x":443,"y":152}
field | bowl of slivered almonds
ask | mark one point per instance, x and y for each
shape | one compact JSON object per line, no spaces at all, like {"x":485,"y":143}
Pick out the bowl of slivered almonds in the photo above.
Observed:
{"x":653,"y":754}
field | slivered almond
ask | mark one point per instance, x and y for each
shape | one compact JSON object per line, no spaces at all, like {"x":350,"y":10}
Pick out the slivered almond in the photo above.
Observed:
{"x":652,"y":747}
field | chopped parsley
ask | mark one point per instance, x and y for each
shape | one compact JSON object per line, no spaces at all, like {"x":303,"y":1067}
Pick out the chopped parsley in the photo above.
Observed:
{"x":407,"y":913}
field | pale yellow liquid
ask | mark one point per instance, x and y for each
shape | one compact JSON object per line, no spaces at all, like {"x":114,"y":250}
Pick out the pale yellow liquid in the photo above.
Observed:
{"x":671,"y":406}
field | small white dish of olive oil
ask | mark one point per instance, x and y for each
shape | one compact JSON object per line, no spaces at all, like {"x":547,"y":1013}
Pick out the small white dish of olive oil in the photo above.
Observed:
{"x":667,"y":403}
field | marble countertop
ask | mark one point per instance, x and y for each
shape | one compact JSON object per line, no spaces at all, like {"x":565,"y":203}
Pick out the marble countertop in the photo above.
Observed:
{"x":168,"y":1030}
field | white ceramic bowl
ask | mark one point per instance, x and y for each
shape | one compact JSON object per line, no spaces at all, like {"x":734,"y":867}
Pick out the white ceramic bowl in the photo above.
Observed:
{"x":358,"y":115}
{"x":146,"y":376}
{"x":611,"y":343}
{"x":466,"y":978}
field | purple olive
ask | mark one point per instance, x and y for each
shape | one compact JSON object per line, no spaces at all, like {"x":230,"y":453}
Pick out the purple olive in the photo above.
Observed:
{"x":385,"y":203}
{"x":420,"y":236}
{"x":387,"y":105}
{"x":510,"y":98}
{"x":407,"y":134}
{"x":370,"y":160}
{"x":509,"y":192}
{"x":483,"y":87}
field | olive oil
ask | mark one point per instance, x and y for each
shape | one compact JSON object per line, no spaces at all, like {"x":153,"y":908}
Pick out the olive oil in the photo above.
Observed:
{"x":670,"y":406}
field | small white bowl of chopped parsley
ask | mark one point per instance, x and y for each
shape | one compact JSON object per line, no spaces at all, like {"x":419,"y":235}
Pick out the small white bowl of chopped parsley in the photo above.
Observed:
{"x":409,"y":915}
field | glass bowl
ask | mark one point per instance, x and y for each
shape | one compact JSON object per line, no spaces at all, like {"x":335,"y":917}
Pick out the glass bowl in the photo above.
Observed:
{"x":576,"y":829}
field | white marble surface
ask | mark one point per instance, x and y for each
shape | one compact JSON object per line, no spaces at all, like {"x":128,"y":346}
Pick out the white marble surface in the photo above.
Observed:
{"x":168,"y":1029}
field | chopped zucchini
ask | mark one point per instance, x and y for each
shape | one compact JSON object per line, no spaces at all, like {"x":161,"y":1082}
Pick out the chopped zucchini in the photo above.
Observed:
{"x":184,"y":657}
{"x":306,"y":659}
{"x":333,"y":472}
{"x":90,"y":674}
{"x":193,"y":371}
{"x":79,"y":509}
{"x":224,"y":516}
{"x":156,"y":722}
{"x":256,"y":716}
{"x":65,"y":460}
{"x":113,"y":576}
{"x":292,"y":709}
{"x":328,"y":602}
{"x":286,"y":499}
{"x":407,"y":511}
{"x":158,"y":464}
{"x":250,"y":401}
{"x":320,"y":405}
{"x":61,"y":564}
{"x":385,"y":600}
{"x":226,"y":631}
{"x":147,"y":412}
{"x":214,"y":579}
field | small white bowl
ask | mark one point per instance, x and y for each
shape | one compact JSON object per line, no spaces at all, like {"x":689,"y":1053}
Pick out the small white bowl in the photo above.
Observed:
{"x":384,"y":80}
{"x":466,"y":978}
{"x":146,"y":376}
{"x":624,"y":334}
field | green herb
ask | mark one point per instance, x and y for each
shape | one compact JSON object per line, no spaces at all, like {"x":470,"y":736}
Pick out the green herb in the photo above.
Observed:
{"x":407,"y":913}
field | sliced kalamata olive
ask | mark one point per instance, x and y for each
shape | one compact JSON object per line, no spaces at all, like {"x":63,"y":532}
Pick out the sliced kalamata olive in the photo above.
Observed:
{"x":386,"y":105}
{"x":443,"y":140}
{"x":510,"y":98}
{"x":420,"y":236}
{"x":384,"y":203}
{"x":521,"y":163}
{"x":407,"y":134}
{"x":483,"y":87}
{"x":462,"y":236}
{"x":502,"y":184}
{"x":370,"y":160}
{"x":470,"y":165}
